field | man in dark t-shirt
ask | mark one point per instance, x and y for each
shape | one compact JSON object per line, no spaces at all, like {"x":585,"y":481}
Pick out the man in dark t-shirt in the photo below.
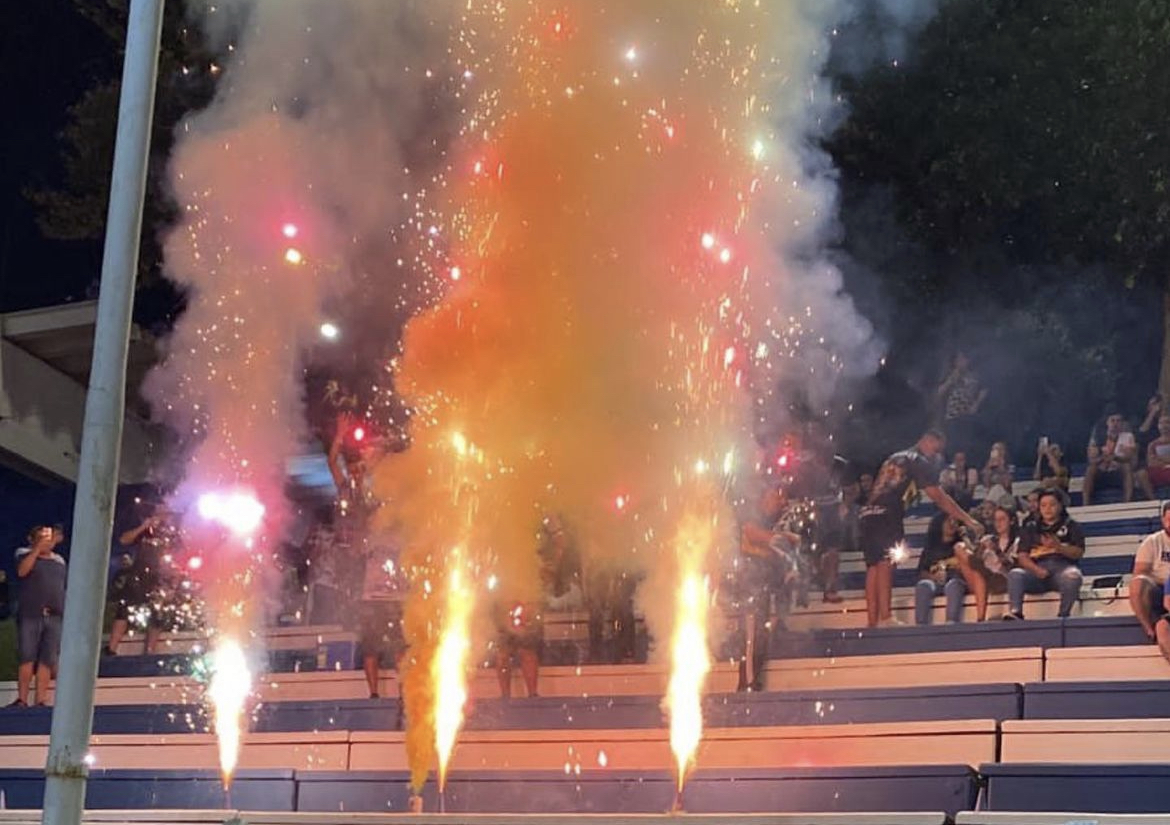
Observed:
{"x":902,"y":476}
{"x":41,"y":572}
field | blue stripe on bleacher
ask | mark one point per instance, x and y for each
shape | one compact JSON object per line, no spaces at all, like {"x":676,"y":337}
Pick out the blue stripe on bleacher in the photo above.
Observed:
{"x":827,"y":707}
{"x":1097,"y":700}
{"x":1135,"y":788}
{"x":948,"y":788}
{"x":339,"y":655}
{"x":256,"y":790}
{"x":1079,"y":631}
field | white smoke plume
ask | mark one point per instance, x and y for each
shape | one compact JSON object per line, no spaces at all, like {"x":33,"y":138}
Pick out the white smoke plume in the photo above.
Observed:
{"x":293,"y":173}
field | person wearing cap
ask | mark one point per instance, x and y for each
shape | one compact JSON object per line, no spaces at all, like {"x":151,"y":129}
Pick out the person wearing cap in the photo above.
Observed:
{"x":1151,"y":566}
{"x":1049,"y":558}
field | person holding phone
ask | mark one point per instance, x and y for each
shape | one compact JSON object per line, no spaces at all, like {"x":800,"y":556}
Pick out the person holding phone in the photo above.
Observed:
{"x":998,"y":470}
{"x":41,"y":572}
{"x":1112,"y":451}
{"x":1050,"y":470}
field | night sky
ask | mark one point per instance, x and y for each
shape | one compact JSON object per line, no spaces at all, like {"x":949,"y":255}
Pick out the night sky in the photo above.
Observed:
{"x":49,"y":57}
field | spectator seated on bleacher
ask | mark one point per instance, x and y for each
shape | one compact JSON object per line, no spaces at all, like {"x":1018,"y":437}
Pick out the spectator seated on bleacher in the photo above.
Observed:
{"x":1148,"y":431}
{"x":995,"y":555}
{"x":1031,"y":508}
{"x":1049,"y":557}
{"x":1051,"y":471}
{"x":998,"y":471}
{"x":960,"y":479}
{"x":1112,"y":456}
{"x":939,"y":570}
{"x":985,"y":512}
{"x":1157,"y":471}
{"x":1150,"y":568}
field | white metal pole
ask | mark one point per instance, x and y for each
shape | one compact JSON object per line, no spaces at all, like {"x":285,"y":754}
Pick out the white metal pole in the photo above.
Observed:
{"x":101,"y":441}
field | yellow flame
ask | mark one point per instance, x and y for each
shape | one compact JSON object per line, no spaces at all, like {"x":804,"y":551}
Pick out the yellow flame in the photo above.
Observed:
{"x":449,"y":667}
{"x":231,"y":682}
{"x":689,"y":654}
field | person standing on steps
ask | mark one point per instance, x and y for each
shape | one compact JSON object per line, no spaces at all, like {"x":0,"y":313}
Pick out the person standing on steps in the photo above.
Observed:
{"x":41,"y":573}
{"x":882,"y":514}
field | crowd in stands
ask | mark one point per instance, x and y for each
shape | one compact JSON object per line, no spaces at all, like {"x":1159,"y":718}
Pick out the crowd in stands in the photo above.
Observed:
{"x":983,"y":540}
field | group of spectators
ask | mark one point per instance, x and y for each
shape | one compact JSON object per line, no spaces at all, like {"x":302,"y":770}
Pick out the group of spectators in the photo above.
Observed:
{"x":983,"y":541}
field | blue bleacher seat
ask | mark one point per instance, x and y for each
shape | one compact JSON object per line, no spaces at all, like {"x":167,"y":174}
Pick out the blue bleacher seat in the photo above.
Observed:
{"x":919,"y":639}
{"x":113,"y":719}
{"x":1097,"y":700}
{"x":23,"y":788}
{"x":1103,"y":631}
{"x":826,"y":707}
{"x":337,"y":656}
{"x":948,"y":788}
{"x":259,"y":790}
{"x":1136,"y":788}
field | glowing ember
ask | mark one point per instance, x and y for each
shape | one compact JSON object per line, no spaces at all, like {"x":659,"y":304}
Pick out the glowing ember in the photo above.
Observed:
{"x":231,"y":682}
{"x":449,"y":667}
{"x":289,"y":230}
{"x":329,"y":331}
{"x":240,"y":512}
{"x":690,"y":660}
{"x":293,"y":256}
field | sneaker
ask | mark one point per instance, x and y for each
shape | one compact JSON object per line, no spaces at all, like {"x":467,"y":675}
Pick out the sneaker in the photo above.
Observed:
{"x":17,"y":703}
{"x":893,"y":621}
{"x":833,"y":597}
{"x":1012,"y":616}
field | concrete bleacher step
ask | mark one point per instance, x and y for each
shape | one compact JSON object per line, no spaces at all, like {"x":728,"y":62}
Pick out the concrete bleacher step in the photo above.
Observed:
{"x":215,"y":816}
{"x":278,"y":817}
{"x":1051,"y":818}
{"x":1086,"y":740}
{"x":1023,"y":664}
{"x":1104,"y":788}
{"x":851,"y":613}
{"x":824,"y":707}
{"x":573,"y":751}
{"x":1105,"y":664}
{"x":298,"y":637}
{"x":1079,"y":631}
{"x":1017,"y":665}
{"x":968,"y":741}
{"x":948,"y":788}
{"x":308,"y":750}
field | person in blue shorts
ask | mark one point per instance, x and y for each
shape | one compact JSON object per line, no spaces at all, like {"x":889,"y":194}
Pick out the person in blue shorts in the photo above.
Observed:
{"x":41,"y":572}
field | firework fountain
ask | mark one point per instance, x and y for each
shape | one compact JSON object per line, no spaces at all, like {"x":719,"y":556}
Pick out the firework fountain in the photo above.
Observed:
{"x":618,"y":260}
{"x":615,"y":238}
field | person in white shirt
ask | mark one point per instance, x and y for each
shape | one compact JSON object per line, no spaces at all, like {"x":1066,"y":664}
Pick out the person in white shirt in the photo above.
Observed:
{"x":1151,"y":567}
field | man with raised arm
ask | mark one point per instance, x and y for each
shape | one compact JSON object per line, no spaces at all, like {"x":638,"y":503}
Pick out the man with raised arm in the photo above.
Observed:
{"x":901,"y":477}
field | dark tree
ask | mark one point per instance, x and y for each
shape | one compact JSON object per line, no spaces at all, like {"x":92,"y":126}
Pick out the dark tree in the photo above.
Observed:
{"x":73,"y":206}
{"x":1031,"y":131}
